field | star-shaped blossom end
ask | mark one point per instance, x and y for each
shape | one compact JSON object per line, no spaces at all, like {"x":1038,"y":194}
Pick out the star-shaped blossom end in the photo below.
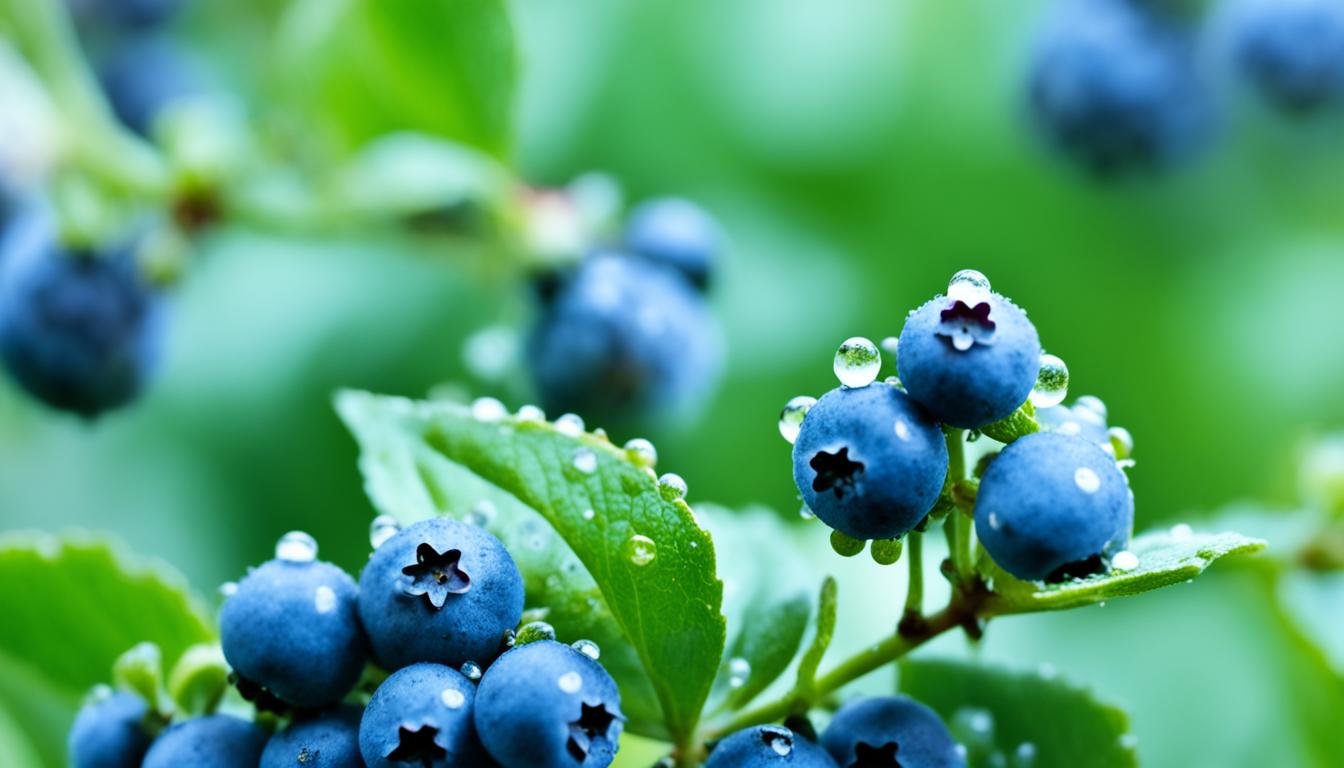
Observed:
{"x":965,"y":326}
{"x":436,"y":575}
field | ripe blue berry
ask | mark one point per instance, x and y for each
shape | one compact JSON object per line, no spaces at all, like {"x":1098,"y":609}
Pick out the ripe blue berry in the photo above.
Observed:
{"x":422,"y":716}
{"x":293,"y":628}
{"x":545,"y":705}
{"x":890,"y":732}
{"x":327,"y":741}
{"x":970,"y":363}
{"x":1113,"y":86}
{"x":79,"y":330}
{"x":442,"y":591}
{"x":765,"y":746}
{"x":143,"y":76}
{"x":677,"y":233}
{"x":111,"y":733}
{"x":869,"y":461}
{"x":621,"y":337}
{"x":1052,"y":506}
{"x":1291,"y":51}
{"x":213,"y":741}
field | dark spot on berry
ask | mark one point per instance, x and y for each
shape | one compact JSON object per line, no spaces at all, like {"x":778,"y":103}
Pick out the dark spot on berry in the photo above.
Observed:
{"x":418,"y":746}
{"x":868,"y":756}
{"x":835,"y":472}
{"x":592,"y":724}
{"x":1078,"y":569}
{"x":436,"y":575}
{"x":965,"y":326}
{"x":258,"y":695}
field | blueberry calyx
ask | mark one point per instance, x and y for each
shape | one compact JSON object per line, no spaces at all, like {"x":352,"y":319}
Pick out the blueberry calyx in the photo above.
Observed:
{"x":835,"y":472}
{"x":965,"y":326}
{"x":868,"y":756}
{"x":592,"y":724}
{"x":418,"y":745}
{"x":436,"y":575}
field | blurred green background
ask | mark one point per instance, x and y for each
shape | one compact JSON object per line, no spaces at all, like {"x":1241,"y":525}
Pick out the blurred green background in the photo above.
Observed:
{"x":858,"y":153}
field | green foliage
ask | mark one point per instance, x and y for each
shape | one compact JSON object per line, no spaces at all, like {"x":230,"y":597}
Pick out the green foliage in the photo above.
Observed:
{"x":597,"y":500}
{"x":1020,"y":423}
{"x":1066,"y":726}
{"x":1165,"y":558}
{"x":771,"y":633}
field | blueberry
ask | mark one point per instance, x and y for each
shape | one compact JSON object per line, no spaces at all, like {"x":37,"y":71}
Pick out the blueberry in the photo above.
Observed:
{"x":125,"y":14}
{"x":765,"y":746}
{"x":422,"y":716}
{"x":869,"y":461}
{"x":1291,"y":51}
{"x":293,"y":628}
{"x":213,"y":741}
{"x":111,"y":733}
{"x":330,"y":740}
{"x":621,"y":337}
{"x":1113,"y":85}
{"x":677,"y":233}
{"x":969,"y":365}
{"x":80,"y":330}
{"x":144,"y":75}
{"x":545,"y":705}
{"x":890,"y":732}
{"x":1052,"y":506}
{"x":440,"y":590}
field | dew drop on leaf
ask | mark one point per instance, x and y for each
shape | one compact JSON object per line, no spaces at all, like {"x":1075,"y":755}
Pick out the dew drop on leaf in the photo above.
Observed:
{"x":570,"y":424}
{"x":1181,"y":531}
{"x":585,"y":461}
{"x":791,"y":417}
{"x":1125,"y":561}
{"x":857,"y":362}
{"x":640,"y":550}
{"x":1052,"y":383}
{"x":488,"y":409}
{"x":673,"y":483}
{"x":531,"y":413}
{"x":482,"y":513}
{"x":739,"y":671}
{"x":641,"y":452}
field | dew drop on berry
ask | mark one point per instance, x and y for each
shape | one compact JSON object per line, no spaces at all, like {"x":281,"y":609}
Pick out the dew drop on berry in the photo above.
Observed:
{"x":968,"y":285}
{"x":640,"y":550}
{"x":228,"y":589}
{"x":452,"y":698}
{"x":806,"y":513}
{"x":1052,"y":383}
{"x":1125,"y":560}
{"x":471,"y":670}
{"x":570,"y":682}
{"x":488,"y":409}
{"x":585,"y":461}
{"x":1092,"y":403}
{"x":570,"y":424}
{"x":791,"y":417}
{"x":780,"y":740}
{"x":296,"y":547}
{"x":587,"y":648}
{"x":739,"y":671}
{"x":531,"y":413}
{"x":641,"y":452}
{"x":1087,"y":480}
{"x":533,"y":631}
{"x":324,"y":599}
{"x":857,"y":362}
{"x":1122,"y":442}
{"x":672,"y":483}
{"x":382,"y":528}
{"x":902,"y":430}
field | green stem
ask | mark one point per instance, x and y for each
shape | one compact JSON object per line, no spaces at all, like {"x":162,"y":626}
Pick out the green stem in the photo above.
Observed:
{"x":958,"y":524}
{"x":97,"y":142}
{"x":914,"y":554}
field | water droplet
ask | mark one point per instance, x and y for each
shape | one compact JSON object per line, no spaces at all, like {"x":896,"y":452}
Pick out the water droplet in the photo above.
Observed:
{"x":960,"y":749}
{"x":490,"y":352}
{"x":324,"y":599}
{"x":533,"y":631}
{"x":228,"y":589}
{"x":1125,"y":560}
{"x":981,"y":721}
{"x":891,"y":345}
{"x":857,"y":362}
{"x":739,"y":671}
{"x":1102,"y":604}
{"x":589,"y":514}
{"x":570,"y":424}
{"x":806,"y":513}
{"x":101,"y":692}
{"x":588,"y":648}
{"x":1129,"y":741}
{"x":296,"y":547}
{"x":1087,"y":480}
{"x":1092,"y":403}
{"x":471,"y":670}
{"x":509,"y":639}
{"x":640,"y":550}
{"x":482,"y":513}
{"x":845,"y":545}
{"x":779,"y":739}
{"x":673,"y":483}
{"x":531,"y":413}
{"x":994,"y":521}
{"x":1122,"y":442}
{"x":570,"y":682}
{"x":902,"y":430}
{"x":585,"y":461}
{"x":791,"y":417}
{"x":1052,"y":383}
{"x":968,"y":285}
{"x":641,"y":452}
{"x":1025,"y":756}
{"x":452,"y":698}
{"x":488,"y":409}
{"x":1181,"y":531}
{"x":382,"y":528}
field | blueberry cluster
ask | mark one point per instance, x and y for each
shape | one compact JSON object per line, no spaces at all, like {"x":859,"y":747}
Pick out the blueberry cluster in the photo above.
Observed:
{"x":81,"y":329}
{"x":628,"y":331}
{"x":885,"y":732}
{"x":1290,"y":51}
{"x":435,"y":610}
{"x":871,"y":458}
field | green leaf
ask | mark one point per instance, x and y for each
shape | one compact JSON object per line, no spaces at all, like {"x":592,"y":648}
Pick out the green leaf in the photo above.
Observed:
{"x":440,"y":67}
{"x":74,"y":606}
{"x":1020,"y":423}
{"x":1065,"y":726}
{"x":15,"y":744}
{"x":1165,"y":558}
{"x":422,"y":459}
{"x":821,"y":640}
{"x":768,"y":639}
